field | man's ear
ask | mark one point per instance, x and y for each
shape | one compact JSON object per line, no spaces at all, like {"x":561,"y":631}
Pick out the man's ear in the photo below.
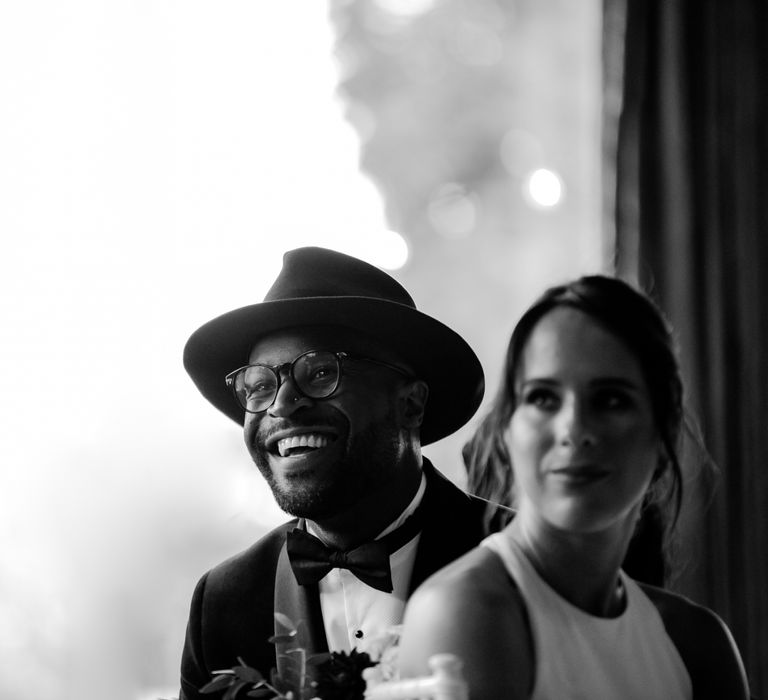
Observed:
{"x":413,"y":400}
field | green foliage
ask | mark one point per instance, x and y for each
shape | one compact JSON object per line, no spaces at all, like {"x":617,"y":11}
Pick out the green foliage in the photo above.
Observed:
{"x":238,"y":678}
{"x":338,"y":675}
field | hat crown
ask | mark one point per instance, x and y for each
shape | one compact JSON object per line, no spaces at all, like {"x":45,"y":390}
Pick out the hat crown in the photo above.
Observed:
{"x":317,"y":272}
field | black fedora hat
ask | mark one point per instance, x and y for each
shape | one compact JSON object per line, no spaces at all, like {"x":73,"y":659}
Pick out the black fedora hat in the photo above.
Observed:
{"x":317,"y":286}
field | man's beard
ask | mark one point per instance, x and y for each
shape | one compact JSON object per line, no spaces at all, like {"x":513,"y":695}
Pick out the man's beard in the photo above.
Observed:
{"x":368,"y":463}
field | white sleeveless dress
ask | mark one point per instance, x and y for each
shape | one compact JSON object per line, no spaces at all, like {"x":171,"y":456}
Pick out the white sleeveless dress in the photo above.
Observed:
{"x":582,"y":657}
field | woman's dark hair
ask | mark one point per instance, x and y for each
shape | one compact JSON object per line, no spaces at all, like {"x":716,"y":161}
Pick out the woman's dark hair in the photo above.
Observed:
{"x":634,"y":319}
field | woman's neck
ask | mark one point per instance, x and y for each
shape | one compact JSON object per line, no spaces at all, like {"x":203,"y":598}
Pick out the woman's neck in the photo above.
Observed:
{"x":582,"y":567}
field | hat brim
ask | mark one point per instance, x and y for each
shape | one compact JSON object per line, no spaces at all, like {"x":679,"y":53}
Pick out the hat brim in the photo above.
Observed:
{"x":439,"y":356}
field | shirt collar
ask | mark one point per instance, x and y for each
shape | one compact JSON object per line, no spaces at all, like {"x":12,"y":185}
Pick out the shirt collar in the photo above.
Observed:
{"x":409,"y":509}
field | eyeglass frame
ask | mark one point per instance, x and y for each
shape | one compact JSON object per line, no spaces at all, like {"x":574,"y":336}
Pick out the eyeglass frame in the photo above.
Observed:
{"x":277,"y":370}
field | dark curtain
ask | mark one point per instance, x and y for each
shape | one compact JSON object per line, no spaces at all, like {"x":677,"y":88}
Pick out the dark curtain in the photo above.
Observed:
{"x":686,"y":165}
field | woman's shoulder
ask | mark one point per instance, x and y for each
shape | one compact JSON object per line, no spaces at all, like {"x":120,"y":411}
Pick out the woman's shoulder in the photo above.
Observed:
{"x":462,"y":595}
{"x":704,"y":642}
{"x":473,"y":609}
{"x":477,"y":579}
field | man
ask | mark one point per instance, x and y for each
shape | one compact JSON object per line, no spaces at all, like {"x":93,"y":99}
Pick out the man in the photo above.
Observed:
{"x":338,"y":380}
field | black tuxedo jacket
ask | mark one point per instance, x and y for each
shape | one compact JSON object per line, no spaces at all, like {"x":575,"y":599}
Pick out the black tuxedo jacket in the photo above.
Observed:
{"x":232,"y":610}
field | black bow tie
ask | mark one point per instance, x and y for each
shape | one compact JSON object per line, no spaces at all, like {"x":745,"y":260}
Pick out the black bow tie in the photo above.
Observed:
{"x":311,"y":559}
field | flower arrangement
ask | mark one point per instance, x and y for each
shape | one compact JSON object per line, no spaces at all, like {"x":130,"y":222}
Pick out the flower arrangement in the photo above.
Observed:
{"x":334,"y":675}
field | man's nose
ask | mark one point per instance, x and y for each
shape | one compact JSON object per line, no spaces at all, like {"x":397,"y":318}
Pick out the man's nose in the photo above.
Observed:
{"x":575,"y":424}
{"x":288,"y":399}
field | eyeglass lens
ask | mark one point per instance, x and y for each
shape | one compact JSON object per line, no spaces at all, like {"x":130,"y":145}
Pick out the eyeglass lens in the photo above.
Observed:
{"x":316,"y":375}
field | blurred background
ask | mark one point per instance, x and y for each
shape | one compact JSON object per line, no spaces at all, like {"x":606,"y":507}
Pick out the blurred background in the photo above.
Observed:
{"x":156,"y":160}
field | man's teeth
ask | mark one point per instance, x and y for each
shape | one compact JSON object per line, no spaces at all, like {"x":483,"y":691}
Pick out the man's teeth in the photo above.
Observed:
{"x":310,"y":440}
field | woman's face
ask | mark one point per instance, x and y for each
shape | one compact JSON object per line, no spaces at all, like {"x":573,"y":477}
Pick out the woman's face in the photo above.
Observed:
{"x":583,"y":440}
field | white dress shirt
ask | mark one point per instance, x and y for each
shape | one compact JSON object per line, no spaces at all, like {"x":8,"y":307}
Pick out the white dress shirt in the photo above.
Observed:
{"x":356,"y":614}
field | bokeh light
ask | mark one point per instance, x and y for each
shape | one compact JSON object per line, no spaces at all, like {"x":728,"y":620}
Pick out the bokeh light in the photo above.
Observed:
{"x":392,"y":251}
{"x":406,"y":8}
{"x":543,"y":188}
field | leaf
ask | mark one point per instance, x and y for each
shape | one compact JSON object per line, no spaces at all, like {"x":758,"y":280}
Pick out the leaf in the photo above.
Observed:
{"x":234,"y":689}
{"x":221,"y":681}
{"x":316,"y":659}
{"x":247,"y":674}
{"x":285,"y":621}
{"x":282,"y":638}
{"x":261,"y":693}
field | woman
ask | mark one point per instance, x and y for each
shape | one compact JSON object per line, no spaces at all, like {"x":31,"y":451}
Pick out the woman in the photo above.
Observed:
{"x":489,"y":475}
{"x":590,"y":410}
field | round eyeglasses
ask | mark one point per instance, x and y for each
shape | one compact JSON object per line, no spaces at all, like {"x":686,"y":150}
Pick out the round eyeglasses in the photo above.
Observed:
{"x":316,"y":375}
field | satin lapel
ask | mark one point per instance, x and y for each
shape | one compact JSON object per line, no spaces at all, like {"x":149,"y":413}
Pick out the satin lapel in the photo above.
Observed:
{"x":302,"y":605}
{"x":427,"y":557}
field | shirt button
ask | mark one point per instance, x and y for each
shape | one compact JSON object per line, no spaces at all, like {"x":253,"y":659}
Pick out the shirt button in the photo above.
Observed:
{"x":359,"y":634}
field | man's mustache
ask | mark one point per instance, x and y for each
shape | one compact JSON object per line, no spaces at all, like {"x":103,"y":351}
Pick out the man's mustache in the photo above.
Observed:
{"x":314,"y":419}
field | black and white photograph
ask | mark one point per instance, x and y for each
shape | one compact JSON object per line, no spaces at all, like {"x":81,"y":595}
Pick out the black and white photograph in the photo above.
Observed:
{"x":406,"y":349}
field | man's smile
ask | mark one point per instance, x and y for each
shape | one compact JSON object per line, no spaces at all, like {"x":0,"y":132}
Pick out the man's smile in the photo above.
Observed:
{"x":300,"y":441}
{"x":300,"y":444}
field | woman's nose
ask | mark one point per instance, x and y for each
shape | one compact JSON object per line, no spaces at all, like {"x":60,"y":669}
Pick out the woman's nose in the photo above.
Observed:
{"x":575,"y":426}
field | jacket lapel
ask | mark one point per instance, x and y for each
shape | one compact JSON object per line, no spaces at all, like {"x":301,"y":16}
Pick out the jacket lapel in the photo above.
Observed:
{"x":302,"y":605}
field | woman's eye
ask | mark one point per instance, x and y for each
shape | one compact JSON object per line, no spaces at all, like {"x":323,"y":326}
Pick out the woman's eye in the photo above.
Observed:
{"x":612,"y":400}
{"x":543,"y":399}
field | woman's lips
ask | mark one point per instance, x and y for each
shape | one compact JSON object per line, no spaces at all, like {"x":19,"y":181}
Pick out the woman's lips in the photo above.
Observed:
{"x":580,"y":474}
